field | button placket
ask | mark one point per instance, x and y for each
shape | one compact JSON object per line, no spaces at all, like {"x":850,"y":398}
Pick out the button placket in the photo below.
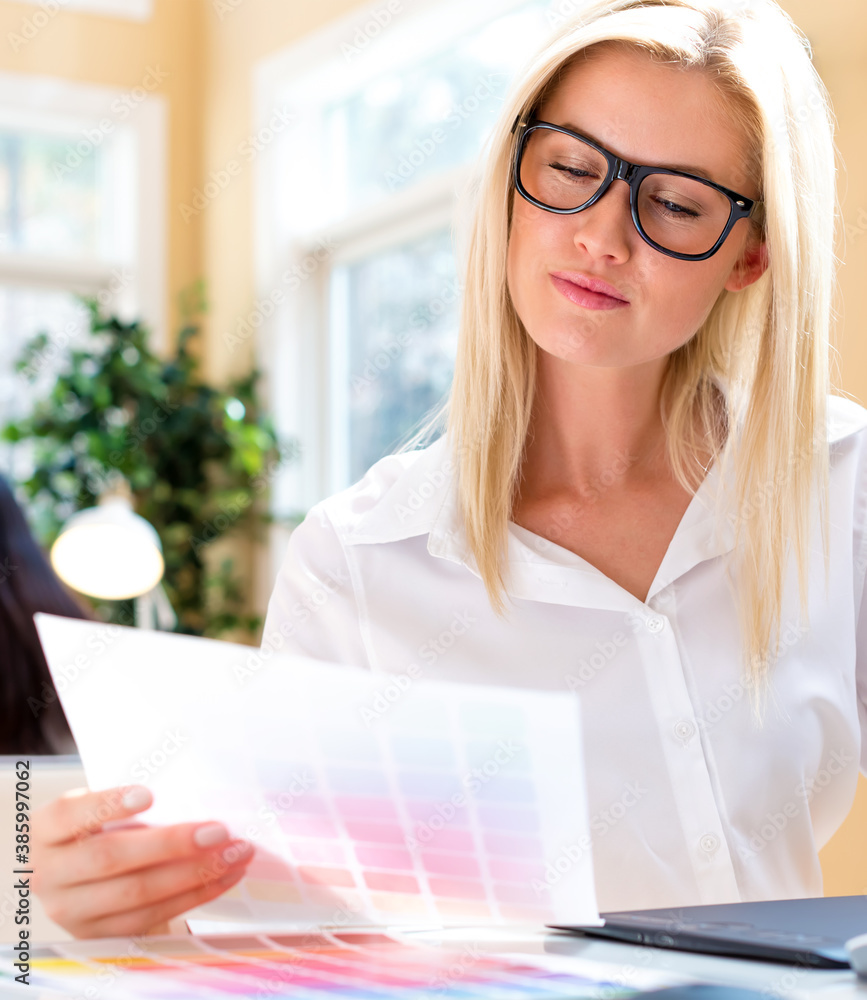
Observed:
{"x":709,"y":843}
{"x":684,"y":731}
{"x":688,"y":766}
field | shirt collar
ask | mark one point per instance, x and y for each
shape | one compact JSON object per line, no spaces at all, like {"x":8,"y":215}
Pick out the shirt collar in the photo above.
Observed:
{"x":423,"y":500}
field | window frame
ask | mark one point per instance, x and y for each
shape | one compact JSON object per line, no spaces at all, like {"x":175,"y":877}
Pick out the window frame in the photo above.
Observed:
{"x":299,"y":382}
{"x":55,"y":105}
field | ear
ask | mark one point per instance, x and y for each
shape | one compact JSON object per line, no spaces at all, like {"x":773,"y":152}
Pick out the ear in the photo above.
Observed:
{"x":751,"y":265}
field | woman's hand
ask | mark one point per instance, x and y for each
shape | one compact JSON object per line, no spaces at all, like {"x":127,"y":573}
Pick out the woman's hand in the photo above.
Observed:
{"x":97,"y":879}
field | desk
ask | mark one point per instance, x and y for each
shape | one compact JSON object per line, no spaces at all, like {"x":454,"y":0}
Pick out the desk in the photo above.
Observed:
{"x":770,"y":978}
{"x":291,"y":965}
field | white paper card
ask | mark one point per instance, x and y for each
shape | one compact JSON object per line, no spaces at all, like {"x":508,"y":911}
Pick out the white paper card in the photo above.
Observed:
{"x":367,"y":800}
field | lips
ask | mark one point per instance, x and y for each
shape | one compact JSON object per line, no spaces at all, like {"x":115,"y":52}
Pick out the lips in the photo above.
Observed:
{"x":591,"y":293}
{"x":591,"y":284}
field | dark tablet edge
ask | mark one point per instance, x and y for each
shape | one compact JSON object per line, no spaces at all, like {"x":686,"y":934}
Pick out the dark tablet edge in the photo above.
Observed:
{"x":711,"y":946}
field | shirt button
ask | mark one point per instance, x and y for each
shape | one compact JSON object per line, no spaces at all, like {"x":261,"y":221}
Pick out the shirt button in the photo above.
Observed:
{"x":709,"y":843}
{"x":684,"y":731}
{"x":655,"y":624}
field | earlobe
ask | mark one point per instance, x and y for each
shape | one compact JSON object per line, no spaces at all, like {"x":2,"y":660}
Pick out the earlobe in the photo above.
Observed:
{"x":749,"y":268}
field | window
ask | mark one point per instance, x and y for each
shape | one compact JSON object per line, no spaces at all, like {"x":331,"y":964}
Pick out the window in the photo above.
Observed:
{"x":359,"y":295}
{"x":75,"y":217}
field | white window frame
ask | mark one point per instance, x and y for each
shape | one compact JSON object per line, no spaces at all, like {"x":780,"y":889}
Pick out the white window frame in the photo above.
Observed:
{"x":296,"y":368}
{"x":58,"y":105}
{"x":324,"y":64}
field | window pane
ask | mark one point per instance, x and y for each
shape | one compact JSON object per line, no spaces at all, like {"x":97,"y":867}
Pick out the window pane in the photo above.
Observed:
{"x":50,"y":198}
{"x":420,"y":120}
{"x":24,"y":312}
{"x":401,"y":321}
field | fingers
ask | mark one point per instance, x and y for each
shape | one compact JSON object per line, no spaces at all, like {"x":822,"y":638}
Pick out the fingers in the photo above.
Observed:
{"x":121,"y":851}
{"x":80,"y":812}
{"x":147,"y":897}
{"x":100,"y":872}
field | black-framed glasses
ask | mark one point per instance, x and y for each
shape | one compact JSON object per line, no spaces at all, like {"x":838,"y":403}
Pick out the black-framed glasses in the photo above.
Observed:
{"x":677,"y":213}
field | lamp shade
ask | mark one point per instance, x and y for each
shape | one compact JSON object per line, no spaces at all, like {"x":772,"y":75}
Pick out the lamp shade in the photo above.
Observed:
{"x":108,"y":551}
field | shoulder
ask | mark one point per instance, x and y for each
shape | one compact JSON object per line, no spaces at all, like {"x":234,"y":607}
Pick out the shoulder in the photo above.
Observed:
{"x":400,"y":496}
{"x":846,"y":419}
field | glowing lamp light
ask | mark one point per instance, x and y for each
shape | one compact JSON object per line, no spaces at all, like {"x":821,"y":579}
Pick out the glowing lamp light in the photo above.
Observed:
{"x":108,"y":551}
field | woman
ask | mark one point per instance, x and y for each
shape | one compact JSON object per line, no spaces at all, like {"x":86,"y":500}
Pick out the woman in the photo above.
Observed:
{"x":636,"y":482}
{"x":32,"y":720}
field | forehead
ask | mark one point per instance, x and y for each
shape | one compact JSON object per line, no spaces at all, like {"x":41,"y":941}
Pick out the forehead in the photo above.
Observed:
{"x":651,"y":113}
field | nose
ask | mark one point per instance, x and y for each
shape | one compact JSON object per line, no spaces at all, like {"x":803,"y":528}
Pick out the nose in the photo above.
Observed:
{"x":606,"y":228}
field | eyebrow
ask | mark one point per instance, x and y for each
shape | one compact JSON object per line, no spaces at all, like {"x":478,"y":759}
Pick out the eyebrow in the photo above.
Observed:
{"x":684,"y":169}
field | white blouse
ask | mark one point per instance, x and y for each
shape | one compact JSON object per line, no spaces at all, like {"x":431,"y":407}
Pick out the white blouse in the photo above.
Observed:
{"x":690,"y":800}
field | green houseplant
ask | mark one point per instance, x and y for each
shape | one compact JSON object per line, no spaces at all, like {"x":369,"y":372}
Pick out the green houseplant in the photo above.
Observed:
{"x":198,"y":459}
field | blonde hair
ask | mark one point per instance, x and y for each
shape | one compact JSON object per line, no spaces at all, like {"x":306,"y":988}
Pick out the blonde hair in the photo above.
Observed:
{"x":756,"y":372}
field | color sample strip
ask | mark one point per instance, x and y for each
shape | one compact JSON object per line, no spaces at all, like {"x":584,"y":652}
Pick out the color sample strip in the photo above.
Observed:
{"x":344,"y":966}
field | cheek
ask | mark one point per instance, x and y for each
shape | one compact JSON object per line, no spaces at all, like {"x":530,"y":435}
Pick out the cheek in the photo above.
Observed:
{"x":535,"y":241}
{"x":685,"y":291}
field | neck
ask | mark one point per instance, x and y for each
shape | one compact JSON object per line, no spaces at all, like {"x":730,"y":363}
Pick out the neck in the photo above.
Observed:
{"x":593,"y":425}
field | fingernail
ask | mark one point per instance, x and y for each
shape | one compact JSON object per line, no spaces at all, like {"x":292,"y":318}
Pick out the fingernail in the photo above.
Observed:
{"x":212,"y":833}
{"x":236,"y":852}
{"x":136,"y":798}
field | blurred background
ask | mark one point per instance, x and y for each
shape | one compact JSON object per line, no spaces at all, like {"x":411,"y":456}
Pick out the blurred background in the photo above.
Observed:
{"x":228,"y":226}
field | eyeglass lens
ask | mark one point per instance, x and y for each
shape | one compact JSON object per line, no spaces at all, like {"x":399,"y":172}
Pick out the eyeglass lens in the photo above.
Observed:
{"x":678,"y":213}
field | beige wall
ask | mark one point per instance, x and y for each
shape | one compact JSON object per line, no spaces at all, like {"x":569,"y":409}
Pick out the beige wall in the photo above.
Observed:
{"x":837,"y":30}
{"x":210,"y":47}
{"x":236,"y":41}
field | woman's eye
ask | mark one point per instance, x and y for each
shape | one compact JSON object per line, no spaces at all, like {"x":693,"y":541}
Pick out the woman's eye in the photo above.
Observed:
{"x":573,"y":171}
{"x":674,"y":208}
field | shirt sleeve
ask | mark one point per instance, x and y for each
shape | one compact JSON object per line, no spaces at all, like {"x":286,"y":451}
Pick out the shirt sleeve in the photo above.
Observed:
{"x":313,"y":610}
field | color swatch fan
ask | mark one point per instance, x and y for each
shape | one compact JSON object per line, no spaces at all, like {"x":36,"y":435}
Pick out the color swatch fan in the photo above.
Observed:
{"x":367,"y":800}
{"x":344,"y":965}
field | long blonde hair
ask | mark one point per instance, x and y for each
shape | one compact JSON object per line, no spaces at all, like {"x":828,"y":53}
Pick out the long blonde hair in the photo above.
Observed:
{"x":755,"y":373}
